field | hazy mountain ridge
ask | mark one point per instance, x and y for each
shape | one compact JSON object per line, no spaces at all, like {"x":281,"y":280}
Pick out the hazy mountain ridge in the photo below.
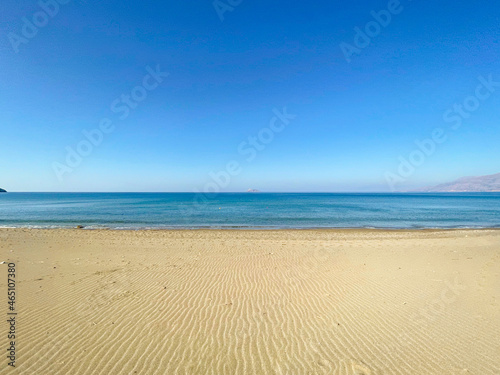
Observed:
{"x":489,"y":183}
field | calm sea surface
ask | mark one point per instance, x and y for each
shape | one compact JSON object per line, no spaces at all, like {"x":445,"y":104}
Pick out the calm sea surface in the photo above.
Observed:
{"x":245,"y":210}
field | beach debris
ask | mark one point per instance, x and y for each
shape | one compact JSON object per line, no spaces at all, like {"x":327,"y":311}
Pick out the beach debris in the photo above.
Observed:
{"x":80,"y":227}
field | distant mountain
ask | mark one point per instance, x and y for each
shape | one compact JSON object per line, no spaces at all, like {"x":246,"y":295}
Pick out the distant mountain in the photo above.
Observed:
{"x":488,"y":183}
{"x":3,"y":190}
{"x":253,"y":191}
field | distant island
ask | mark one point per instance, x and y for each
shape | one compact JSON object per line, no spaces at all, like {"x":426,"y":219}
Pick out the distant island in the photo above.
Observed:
{"x":253,"y":191}
{"x":3,"y":190}
{"x":487,"y":184}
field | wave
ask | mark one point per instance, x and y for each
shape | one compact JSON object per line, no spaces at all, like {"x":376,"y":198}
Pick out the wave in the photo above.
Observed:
{"x":246,"y":227}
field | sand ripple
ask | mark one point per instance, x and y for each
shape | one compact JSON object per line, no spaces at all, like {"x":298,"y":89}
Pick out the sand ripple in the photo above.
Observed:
{"x":252,"y":302}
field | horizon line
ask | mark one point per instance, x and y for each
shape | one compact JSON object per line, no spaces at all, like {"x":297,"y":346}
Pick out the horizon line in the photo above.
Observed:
{"x":250,"y":193}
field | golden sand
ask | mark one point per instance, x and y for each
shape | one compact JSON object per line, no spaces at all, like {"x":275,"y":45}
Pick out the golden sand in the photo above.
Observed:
{"x":253,"y":302}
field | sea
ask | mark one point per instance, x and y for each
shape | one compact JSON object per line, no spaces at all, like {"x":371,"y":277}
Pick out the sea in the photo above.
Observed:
{"x":250,"y":210}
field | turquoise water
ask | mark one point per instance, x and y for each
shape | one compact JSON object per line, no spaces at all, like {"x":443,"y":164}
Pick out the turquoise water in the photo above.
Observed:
{"x":244,"y":210}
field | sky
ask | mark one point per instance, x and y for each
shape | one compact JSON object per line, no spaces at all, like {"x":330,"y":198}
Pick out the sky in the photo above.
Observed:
{"x":229,"y":95}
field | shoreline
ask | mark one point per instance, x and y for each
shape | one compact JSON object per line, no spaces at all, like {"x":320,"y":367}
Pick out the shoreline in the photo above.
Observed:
{"x":254,"y":229}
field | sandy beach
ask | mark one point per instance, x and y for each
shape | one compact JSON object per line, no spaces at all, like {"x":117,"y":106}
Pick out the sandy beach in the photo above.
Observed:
{"x":253,"y":302}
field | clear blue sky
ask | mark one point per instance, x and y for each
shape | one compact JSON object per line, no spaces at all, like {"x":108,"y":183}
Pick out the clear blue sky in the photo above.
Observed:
{"x":353,"y":119}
